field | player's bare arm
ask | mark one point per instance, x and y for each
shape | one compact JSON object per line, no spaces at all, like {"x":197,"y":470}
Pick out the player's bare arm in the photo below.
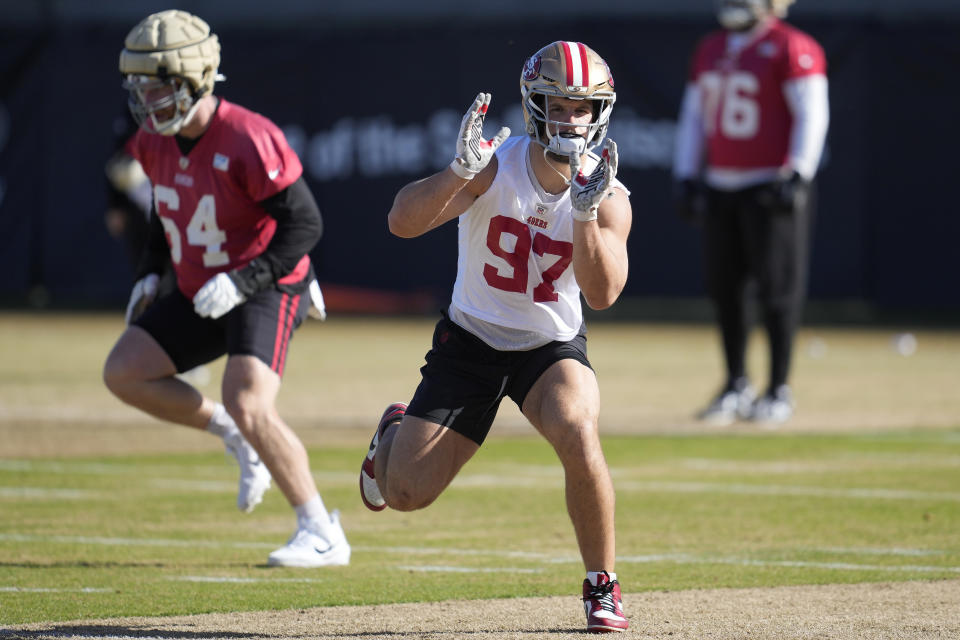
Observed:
{"x":600,"y":250}
{"x":426,"y":204}
{"x":602,"y":217}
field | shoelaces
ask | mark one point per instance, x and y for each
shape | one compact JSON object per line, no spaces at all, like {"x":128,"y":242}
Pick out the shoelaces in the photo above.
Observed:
{"x":603,"y":594}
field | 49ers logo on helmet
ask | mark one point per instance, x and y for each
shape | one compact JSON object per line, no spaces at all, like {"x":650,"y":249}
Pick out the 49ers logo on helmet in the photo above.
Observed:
{"x":609,"y":74}
{"x":532,"y":68}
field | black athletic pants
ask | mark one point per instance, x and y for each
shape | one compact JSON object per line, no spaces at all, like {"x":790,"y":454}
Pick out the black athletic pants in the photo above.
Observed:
{"x":752,"y":253}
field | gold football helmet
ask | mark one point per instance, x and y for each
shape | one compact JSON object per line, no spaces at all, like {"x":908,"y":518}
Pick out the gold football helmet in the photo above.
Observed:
{"x":570,"y":70}
{"x":779,"y":7}
{"x":169,"y":62}
{"x":739,"y":15}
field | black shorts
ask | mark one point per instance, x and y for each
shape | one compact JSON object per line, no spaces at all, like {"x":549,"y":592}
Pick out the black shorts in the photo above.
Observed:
{"x":262,"y":327}
{"x":465,"y":379}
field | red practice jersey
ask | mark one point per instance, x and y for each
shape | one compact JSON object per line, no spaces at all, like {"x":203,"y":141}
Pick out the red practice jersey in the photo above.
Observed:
{"x":746,"y":118}
{"x":208,"y":199}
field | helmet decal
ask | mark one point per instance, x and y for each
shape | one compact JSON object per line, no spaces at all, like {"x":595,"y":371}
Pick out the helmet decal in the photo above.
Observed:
{"x":532,"y":68}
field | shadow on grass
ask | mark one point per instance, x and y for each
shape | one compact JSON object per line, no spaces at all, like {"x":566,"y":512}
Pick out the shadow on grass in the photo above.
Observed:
{"x":439,"y":634}
{"x":82,"y":564}
{"x":108,"y":632}
{"x":453,"y":635}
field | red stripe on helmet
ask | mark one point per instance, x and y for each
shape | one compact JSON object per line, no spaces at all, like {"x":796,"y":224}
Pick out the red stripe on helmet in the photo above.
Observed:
{"x":568,"y":59}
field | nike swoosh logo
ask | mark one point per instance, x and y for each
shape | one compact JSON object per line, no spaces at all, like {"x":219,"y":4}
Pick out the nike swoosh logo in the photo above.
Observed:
{"x":273,"y":174}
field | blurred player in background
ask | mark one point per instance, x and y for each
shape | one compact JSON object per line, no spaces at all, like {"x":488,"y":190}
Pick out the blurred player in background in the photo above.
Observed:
{"x":129,"y":194}
{"x":237,"y":220}
{"x":541,"y":220}
{"x":750,"y":135}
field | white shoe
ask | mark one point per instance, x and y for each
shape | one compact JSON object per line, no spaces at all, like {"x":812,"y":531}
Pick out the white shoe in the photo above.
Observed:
{"x":254,"y":475}
{"x":309,"y":550}
{"x":732,"y":403}
{"x":775,"y":407}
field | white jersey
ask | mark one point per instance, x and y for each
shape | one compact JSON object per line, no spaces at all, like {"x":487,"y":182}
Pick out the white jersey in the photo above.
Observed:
{"x":514,"y":265}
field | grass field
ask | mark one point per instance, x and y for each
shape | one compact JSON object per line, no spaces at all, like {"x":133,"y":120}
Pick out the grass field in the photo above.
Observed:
{"x":109,"y":513}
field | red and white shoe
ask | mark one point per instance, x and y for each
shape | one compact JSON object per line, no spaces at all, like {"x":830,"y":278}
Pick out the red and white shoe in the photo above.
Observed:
{"x":603,"y":605}
{"x":369,"y":491}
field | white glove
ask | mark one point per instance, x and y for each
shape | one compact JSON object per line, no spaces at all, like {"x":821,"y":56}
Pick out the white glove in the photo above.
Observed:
{"x":218,"y":296}
{"x":586,"y":194}
{"x":473,"y":152}
{"x":144,"y":291}
{"x":317,"y":309}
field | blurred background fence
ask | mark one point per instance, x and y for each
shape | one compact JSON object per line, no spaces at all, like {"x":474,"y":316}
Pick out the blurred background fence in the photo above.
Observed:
{"x":371,"y":95}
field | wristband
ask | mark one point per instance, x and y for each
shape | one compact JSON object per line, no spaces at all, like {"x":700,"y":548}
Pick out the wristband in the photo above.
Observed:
{"x":458,"y":168}
{"x":585,"y":216}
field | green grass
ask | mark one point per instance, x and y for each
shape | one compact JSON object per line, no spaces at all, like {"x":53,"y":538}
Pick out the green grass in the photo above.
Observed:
{"x":153,"y":535}
{"x":106,"y":513}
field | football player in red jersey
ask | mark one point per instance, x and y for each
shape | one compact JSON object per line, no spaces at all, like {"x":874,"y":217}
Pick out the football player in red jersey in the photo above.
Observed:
{"x":237,"y":220}
{"x":750,"y":136}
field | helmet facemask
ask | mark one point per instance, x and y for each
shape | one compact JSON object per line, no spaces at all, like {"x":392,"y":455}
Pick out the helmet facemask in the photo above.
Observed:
{"x":565,"y":141}
{"x":161,"y":105}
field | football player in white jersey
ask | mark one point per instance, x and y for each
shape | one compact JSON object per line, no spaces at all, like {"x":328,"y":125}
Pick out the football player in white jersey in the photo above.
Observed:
{"x":542,"y":220}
